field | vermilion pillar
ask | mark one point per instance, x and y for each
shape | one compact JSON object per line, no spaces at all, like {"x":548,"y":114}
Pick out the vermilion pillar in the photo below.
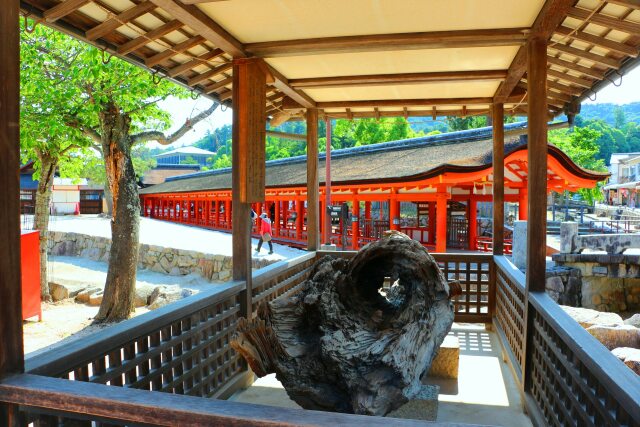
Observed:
{"x":523,"y":204}
{"x":441,"y":222}
{"x":276,"y":228}
{"x":299,"y":218}
{"x":432,"y":222}
{"x":355,"y":225}
{"x":473,"y":223}
{"x":393,"y":214}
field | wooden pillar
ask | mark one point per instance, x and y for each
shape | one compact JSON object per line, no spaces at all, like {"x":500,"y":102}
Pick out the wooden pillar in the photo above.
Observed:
{"x":276,"y":228}
{"x":328,"y":227}
{"x":381,"y":209}
{"x":523,"y":203}
{"x":11,"y":346}
{"x":313,"y":183}
{"x":355,"y":225}
{"x":498,"y":178}
{"x":432,"y":222}
{"x":536,"y":187}
{"x":473,"y":223}
{"x":250,"y":76}
{"x":441,"y":222}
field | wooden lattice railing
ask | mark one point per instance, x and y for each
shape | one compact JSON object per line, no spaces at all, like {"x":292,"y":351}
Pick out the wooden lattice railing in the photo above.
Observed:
{"x":182,"y":348}
{"x":566,"y":376}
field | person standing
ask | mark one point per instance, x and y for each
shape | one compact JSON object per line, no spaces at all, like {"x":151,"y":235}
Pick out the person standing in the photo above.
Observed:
{"x":265,"y":233}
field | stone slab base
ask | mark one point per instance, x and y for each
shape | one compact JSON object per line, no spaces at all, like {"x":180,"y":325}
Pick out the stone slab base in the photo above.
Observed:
{"x":445,"y":363}
{"x":423,"y":407}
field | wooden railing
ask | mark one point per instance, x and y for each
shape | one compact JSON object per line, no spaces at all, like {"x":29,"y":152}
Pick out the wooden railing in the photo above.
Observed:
{"x":566,"y":376}
{"x":182,"y":348}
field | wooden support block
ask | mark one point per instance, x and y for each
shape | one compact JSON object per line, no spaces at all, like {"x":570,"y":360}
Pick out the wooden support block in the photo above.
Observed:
{"x":446,"y":362}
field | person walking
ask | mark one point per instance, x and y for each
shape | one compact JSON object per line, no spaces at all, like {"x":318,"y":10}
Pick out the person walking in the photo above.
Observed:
{"x":265,"y":233}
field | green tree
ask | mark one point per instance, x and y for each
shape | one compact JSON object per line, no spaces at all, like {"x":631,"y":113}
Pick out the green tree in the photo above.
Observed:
{"x":189,"y":161}
{"x":114,"y":104}
{"x":580,"y":144}
{"x":619,"y":117}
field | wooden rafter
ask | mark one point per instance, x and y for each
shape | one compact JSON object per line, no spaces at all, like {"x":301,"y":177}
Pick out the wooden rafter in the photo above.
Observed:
{"x":400,"y":78}
{"x":569,"y":78}
{"x":634,"y":4}
{"x":593,"y":57}
{"x":611,"y":45}
{"x":605,"y":21}
{"x":386,"y":42}
{"x":203,"y":59}
{"x":110,"y":25}
{"x":587,"y":71}
{"x":173,"y":51}
{"x":218,"y":85}
{"x":398,"y":103}
{"x":152,"y":35}
{"x":552,"y":14}
{"x":63,"y":9}
{"x":564,"y":88}
{"x":209,"y":74}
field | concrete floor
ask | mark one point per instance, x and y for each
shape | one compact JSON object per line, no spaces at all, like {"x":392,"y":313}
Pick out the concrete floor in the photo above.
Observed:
{"x":485,"y":392}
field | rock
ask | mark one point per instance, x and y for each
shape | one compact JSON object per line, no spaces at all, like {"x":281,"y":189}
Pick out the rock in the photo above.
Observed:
{"x":629,"y":356}
{"x":587,"y":317}
{"x":186,"y":293}
{"x":142,"y":295}
{"x":154,"y":295}
{"x":616,"y":336}
{"x":175,"y":271}
{"x":422,"y":407}
{"x":555,"y":284}
{"x":58,"y":292}
{"x":96,"y":298}
{"x":158,"y":302}
{"x":633,"y":320}
{"x":224,"y":275}
{"x":84,"y":296}
{"x":446,"y":361}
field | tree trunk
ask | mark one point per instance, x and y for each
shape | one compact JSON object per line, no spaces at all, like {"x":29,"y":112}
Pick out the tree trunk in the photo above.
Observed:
{"x":118,"y":300}
{"x":48,"y":166}
{"x":108,"y":197}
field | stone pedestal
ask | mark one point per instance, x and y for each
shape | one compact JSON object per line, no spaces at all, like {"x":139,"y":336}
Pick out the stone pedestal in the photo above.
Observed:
{"x":423,"y":407}
{"x":519,"y":248}
{"x":331,"y":247}
{"x":445,"y":363}
{"x":568,"y":230}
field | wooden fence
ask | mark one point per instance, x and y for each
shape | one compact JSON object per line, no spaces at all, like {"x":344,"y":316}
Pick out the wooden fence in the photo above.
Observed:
{"x":565,"y":376}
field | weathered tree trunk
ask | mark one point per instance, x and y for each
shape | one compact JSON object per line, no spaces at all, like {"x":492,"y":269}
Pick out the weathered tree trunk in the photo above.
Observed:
{"x":119,"y":293}
{"x":108,"y":197}
{"x":346,"y":341}
{"x":48,"y":167}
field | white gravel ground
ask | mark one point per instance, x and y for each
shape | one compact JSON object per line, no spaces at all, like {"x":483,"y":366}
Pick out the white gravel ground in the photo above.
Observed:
{"x":171,"y":235}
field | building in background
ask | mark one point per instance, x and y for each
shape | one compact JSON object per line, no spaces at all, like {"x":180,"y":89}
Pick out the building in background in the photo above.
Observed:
{"x":161,"y":172}
{"x":184,"y":154}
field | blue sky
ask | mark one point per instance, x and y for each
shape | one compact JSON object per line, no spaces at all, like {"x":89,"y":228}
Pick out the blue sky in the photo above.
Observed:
{"x":181,"y":110}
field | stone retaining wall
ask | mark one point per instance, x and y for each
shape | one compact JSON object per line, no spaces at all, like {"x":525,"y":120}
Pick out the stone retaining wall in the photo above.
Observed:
{"x":609,"y":282}
{"x":176,"y":262}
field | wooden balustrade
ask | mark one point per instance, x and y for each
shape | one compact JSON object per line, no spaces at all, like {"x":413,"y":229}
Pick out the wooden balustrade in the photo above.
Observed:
{"x":184,"y":349}
{"x":574,"y":380}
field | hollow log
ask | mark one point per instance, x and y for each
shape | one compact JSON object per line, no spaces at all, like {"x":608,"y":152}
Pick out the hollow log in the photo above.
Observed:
{"x":359,"y":334}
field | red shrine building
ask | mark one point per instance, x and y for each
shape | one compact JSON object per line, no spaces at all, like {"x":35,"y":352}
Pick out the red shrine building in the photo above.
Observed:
{"x":443,"y":176}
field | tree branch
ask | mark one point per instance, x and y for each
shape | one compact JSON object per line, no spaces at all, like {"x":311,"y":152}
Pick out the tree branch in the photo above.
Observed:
{"x":166,"y":140}
{"x":91,"y":133}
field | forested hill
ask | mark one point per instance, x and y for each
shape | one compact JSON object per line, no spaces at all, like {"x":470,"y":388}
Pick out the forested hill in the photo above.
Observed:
{"x":607,"y":112}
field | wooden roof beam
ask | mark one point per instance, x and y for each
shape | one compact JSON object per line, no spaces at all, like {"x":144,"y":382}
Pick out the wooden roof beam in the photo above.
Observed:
{"x":63,"y":9}
{"x":611,"y":45}
{"x":633,"y":4}
{"x":400,"y":78}
{"x":203,"y":25}
{"x":605,"y":21}
{"x":568,"y":89}
{"x":173,"y":51}
{"x":209,"y":74}
{"x":401,"y":113}
{"x":152,"y":35}
{"x":217,"y":85}
{"x":112,"y":24}
{"x":569,"y":78}
{"x":282,"y":84}
{"x":551,"y":15}
{"x":195,"y":62}
{"x":578,"y":53}
{"x":386,"y":42}
{"x":397,"y":103}
{"x":591,"y":72}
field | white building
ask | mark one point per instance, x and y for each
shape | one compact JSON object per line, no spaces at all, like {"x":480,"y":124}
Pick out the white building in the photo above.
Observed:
{"x":179,"y":155}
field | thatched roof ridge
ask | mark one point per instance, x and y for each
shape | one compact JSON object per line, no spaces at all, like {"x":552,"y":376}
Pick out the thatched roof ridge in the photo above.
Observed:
{"x":396,"y":161}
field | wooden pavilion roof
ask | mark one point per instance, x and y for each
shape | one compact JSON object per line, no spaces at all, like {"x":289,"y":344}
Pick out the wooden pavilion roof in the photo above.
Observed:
{"x":366,"y":58}
{"x":452,"y":158}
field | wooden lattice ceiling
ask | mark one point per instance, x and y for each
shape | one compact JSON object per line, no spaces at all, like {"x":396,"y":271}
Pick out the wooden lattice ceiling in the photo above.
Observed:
{"x":451,"y":62}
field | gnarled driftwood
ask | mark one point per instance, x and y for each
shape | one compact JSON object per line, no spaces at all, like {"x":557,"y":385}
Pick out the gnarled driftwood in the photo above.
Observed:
{"x":346,"y":342}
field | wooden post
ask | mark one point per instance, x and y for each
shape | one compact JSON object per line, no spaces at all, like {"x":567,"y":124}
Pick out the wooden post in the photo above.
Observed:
{"x":473,"y":223}
{"x":248,"y":162}
{"x":498,"y":178}
{"x":313,"y":183}
{"x":393,"y":212}
{"x":523,"y":201}
{"x":441,"y":222}
{"x":276,"y":228}
{"x":11,"y":347}
{"x":355,"y":226}
{"x":536,"y":187}
{"x":299,"y":217}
